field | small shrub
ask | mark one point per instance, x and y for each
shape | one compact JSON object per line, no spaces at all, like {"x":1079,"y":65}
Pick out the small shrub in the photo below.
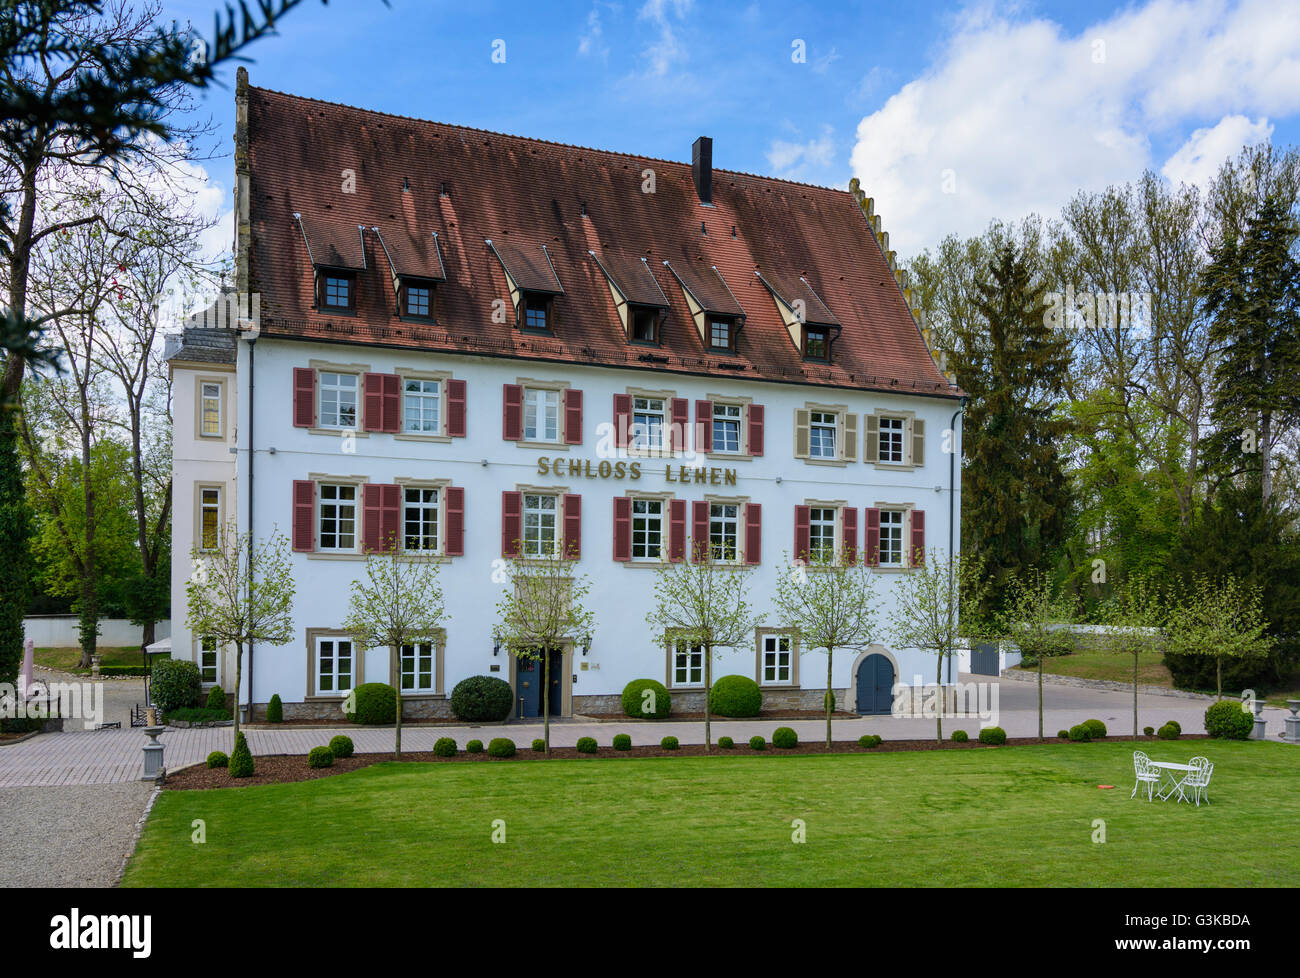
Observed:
{"x":757,"y":743}
{"x":501,"y":747}
{"x":320,"y":757}
{"x":216,"y":699}
{"x":175,"y":684}
{"x":1149,"y":731}
{"x":275,"y":710}
{"x":241,"y":759}
{"x":218,"y":759}
{"x":444,"y":747}
{"x":539,"y":745}
{"x":1168,"y":732}
{"x":374,"y":704}
{"x":474,"y":747}
{"x":1063,"y":734}
{"x":868,"y":741}
{"x":1227,"y":720}
{"x":341,"y":746}
{"x":636,"y":702}
{"x":735,"y":696}
{"x":960,"y":736}
{"x":482,"y":699}
{"x":1175,"y":724}
{"x":784,"y":738}
{"x":993,"y":735}
{"x":622,"y":742}
{"x":669,"y":743}
{"x":1080,"y":734}
{"x":197,"y":714}
{"x":586,"y":745}
{"x":1096,"y":728}
{"x":726,"y":743}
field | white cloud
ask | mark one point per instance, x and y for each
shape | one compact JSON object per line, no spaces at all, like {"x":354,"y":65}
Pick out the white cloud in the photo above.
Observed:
{"x":1199,"y":159}
{"x":795,"y":160}
{"x":592,"y":42}
{"x":1016,"y":116}
{"x":666,"y":50}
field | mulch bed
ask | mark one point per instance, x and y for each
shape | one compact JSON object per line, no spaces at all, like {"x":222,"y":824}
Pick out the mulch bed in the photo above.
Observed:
{"x":285,"y":768}
{"x":765,"y":715}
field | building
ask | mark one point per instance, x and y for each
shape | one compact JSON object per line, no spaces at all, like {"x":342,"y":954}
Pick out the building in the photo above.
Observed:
{"x":469,"y":339}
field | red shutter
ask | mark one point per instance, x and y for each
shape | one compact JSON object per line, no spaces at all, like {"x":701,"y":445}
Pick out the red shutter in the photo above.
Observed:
{"x":392,"y":403}
{"x":304,"y":515}
{"x":372,"y":518}
{"x":512,"y":412}
{"x":704,"y":426}
{"x":802,"y":532}
{"x":512,"y":522}
{"x":872,"y":537}
{"x":304,"y":397}
{"x":454,"y":544}
{"x":372,"y":402}
{"x":917,"y":557}
{"x":756,"y":429}
{"x":622,"y":528}
{"x":456,"y":408}
{"x":849,"y":528}
{"x":573,"y":417}
{"x":676,"y":530}
{"x":622,"y":419}
{"x":681,"y":418}
{"x":753,"y":533}
{"x":699,"y":531}
{"x":572,"y":504}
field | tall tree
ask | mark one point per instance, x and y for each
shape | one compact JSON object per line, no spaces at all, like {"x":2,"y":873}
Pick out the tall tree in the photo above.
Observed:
{"x":1220,"y":619}
{"x":1133,"y":616}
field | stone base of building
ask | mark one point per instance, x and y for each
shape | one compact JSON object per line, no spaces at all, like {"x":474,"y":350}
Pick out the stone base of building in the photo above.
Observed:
{"x":331,"y":711}
{"x":692,"y":701}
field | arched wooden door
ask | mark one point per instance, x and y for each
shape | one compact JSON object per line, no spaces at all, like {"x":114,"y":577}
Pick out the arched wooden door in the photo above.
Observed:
{"x":875,"y":685}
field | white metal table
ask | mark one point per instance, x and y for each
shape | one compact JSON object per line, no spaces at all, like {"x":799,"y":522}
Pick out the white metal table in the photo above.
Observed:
{"x":1172,"y":782}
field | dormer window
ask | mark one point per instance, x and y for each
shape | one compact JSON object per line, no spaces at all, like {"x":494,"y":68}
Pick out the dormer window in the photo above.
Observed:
{"x":722,"y":334}
{"x":816,"y":343}
{"x":537,"y":311}
{"x":338,"y":290}
{"x":644,"y":323}
{"x":417,"y":298}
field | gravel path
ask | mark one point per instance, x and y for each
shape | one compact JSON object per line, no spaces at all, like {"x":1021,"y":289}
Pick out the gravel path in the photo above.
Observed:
{"x":68,"y":835}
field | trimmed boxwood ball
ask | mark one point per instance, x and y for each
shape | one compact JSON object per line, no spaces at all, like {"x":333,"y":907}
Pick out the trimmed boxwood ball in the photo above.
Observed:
{"x":868,"y":741}
{"x":539,"y":744}
{"x":474,"y":747}
{"x":669,"y":743}
{"x":1175,"y":724}
{"x":1080,"y":734}
{"x":726,"y":743}
{"x":216,"y":699}
{"x":1149,"y":731}
{"x":1096,"y":729}
{"x":320,"y":757}
{"x":654,"y":705}
{"x":960,"y":736}
{"x":757,"y":743}
{"x":1227,"y":720}
{"x":341,"y":746}
{"x":444,"y":747}
{"x":784,"y":738}
{"x":482,"y":699}
{"x":501,"y":747}
{"x":735,"y":696}
{"x":622,"y":742}
{"x":586,"y":745}
{"x":1168,"y":732}
{"x":241,"y":758}
{"x":993,"y":735}
{"x":174,"y":684}
{"x":274,"y":710}
{"x":218,"y":759}
{"x":375,"y":704}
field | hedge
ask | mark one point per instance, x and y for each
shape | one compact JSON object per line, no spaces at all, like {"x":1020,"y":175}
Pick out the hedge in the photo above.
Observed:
{"x":1080,"y":734}
{"x":444,"y":747}
{"x":1096,"y":728}
{"x":635,"y":700}
{"x":341,"y":746}
{"x":960,"y":736}
{"x":868,"y":741}
{"x":482,"y":699}
{"x":216,"y":699}
{"x":735,"y":696}
{"x":757,"y":743}
{"x":1227,"y":720}
{"x":993,"y":735}
{"x":539,"y":745}
{"x":622,"y":742}
{"x":474,"y":747}
{"x":785,"y":738}
{"x":275,"y":710}
{"x":1168,"y":732}
{"x":586,"y":745}
{"x":669,"y":743}
{"x":726,"y":743}
{"x":175,"y":684}
{"x":374,"y":704}
{"x":218,"y":759}
{"x":241,"y":759}
{"x":501,"y":747}
{"x":320,"y":757}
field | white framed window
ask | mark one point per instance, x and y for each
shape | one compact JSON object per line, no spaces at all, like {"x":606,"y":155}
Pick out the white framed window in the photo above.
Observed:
{"x":541,"y":415}
{"x":540,"y":511}
{"x":210,"y":409}
{"x":647,"y":529}
{"x":420,"y":520}
{"x":891,"y":440}
{"x":649,"y":422}
{"x":337,"y":518}
{"x":209,"y":518}
{"x":778,"y":665}
{"x":821,"y":434}
{"x":724,"y":531}
{"x":688,"y":664}
{"x":726,"y":427}
{"x":208,"y":661}
{"x":418,"y":667}
{"x":821,"y":533}
{"x":891,"y":538}
{"x":421,"y":406}
{"x":338,"y":399}
{"x":335,"y":666}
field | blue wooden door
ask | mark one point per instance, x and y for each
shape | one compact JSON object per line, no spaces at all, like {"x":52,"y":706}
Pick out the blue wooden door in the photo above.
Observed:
{"x":528,"y":688}
{"x":875,"y":685}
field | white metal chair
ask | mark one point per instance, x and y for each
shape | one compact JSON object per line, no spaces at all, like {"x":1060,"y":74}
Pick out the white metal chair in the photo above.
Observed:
{"x":1198,"y":779}
{"x":1145,"y":774}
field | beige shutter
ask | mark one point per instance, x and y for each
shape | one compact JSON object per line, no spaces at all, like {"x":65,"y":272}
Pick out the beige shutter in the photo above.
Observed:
{"x":918,"y":441}
{"x":872,"y":452}
{"x":801,"y":433}
{"x":850,"y":437}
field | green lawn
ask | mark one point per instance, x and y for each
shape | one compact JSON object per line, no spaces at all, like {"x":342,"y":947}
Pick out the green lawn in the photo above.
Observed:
{"x":1095,"y":664}
{"x":998,"y":817}
{"x":67,"y":659}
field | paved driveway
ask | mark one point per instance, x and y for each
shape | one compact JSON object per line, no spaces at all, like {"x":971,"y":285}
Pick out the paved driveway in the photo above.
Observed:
{"x":114,"y":756}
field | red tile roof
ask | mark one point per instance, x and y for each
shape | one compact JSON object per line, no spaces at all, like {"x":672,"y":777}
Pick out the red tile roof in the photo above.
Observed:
{"x":525,"y":193}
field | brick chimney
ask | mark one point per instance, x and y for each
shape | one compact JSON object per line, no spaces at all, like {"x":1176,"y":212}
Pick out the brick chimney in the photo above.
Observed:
{"x":702,"y":168}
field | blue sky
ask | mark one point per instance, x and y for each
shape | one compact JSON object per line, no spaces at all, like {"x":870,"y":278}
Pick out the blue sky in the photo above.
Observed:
{"x":951,"y":114}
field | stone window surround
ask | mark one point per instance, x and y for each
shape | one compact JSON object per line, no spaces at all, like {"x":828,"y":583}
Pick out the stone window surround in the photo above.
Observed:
{"x":356,"y":480}
{"x":670,"y":650}
{"x":795,"y":641}
{"x":664,"y":497}
{"x":908,"y":417}
{"x":197,"y":642}
{"x":339,"y":368}
{"x":199,"y":381}
{"x":411,"y":373}
{"x":439,"y":669}
{"x":404,"y":483}
{"x":667,"y":397}
{"x":906,"y":510}
{"x":559,"y":386}
{"x":743,"y":402}
{"x":358,"y":664}
{"x":198,"y":512}
{"x":838,"y":505}
{"x":842,"y":412}
{"x":741,"y":522}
